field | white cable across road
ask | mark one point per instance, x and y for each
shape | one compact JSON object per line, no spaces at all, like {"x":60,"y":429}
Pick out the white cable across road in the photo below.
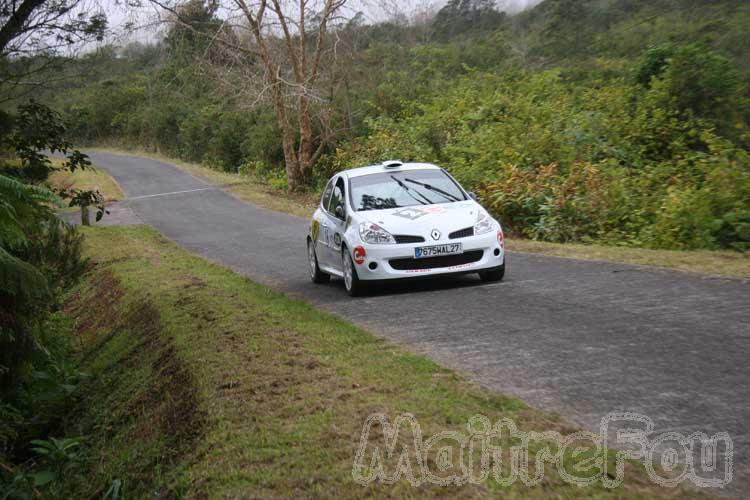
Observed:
{"x":170,"y":193}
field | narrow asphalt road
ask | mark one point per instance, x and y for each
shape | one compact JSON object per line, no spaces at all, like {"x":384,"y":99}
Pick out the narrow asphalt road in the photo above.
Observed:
{"x":579,"y":338}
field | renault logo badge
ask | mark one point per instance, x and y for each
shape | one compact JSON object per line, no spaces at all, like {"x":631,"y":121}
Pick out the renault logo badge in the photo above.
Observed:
{"x":435,"y":234}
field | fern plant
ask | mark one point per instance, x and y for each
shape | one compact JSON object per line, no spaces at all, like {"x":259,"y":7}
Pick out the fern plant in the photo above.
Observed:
{"x":21,"y":205}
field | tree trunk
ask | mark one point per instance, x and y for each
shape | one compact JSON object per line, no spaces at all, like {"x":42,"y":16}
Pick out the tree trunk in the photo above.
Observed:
{"x":293,"y":176}
{"x":85,"y":218}
{"x":288,"y":136}
{"x":305,"y":140}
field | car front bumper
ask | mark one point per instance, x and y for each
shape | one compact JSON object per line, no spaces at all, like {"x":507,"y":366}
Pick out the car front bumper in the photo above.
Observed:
{"x":386,"y":262}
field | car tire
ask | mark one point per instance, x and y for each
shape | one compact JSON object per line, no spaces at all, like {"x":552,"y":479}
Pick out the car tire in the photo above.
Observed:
{"x":316,"y":275}
{"x":493,"y":275}
{"x":353,"y":285}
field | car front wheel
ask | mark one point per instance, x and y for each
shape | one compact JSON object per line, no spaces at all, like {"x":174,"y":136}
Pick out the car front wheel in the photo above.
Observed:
{"x":316,"y":275}
{"x":352,"y":283}
{"x":493,"y":275}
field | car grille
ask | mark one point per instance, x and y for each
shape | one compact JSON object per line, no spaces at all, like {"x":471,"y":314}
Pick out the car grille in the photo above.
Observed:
{"x":406,"y":238}
{"x":462,"y":233}
{"x":436,"y":262}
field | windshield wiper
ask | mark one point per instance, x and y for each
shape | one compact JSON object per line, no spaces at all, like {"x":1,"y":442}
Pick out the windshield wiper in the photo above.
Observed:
{"x":445,"y":194}
{"x":409,"y":192}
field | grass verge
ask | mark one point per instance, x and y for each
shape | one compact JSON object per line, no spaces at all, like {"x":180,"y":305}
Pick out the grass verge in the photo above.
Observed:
{"x":714,"y":262}
{"x":93,"y":179}
{"x":722,"y":263}
{"x":207,"y":385}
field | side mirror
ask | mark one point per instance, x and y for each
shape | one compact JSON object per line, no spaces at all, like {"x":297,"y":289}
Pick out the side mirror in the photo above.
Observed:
{"x":473,"y":195}
{"x":339,"y":211}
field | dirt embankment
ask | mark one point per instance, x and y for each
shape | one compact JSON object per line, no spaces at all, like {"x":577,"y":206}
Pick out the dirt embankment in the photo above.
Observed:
{"x":139,"y":407}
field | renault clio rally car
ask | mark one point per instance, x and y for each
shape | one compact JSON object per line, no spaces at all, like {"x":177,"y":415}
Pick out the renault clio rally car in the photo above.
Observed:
{"x":401,"y":220}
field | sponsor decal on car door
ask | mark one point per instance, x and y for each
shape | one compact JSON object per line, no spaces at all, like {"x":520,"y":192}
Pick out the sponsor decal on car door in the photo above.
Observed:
{"x":324,"y":240}
{"x":318,"y":235}
{"x":335,"y":225}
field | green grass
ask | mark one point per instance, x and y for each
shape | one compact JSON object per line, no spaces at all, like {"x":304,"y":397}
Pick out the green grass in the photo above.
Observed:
{"x":712,"y":262}
{"x":205,"y":384}
{"x":93,"y":179}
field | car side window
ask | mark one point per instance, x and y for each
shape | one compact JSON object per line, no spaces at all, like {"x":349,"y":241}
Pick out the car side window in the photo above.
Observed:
{"x":326,"y":194}
{"x":337,"y":198}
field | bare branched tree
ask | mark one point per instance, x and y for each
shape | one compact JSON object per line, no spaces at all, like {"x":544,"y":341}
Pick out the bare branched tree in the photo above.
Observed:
{"x":289,"y":38}
{"x":279,"y":51}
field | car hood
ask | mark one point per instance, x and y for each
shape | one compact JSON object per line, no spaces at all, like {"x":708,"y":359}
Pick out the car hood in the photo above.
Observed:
{"x":420,"y":220}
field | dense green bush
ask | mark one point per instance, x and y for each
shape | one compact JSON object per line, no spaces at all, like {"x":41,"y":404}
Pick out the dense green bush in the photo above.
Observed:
{"x":620,"y":163}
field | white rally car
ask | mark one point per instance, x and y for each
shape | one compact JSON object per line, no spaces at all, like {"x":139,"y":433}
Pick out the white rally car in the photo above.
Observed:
{"x":401,"y":220}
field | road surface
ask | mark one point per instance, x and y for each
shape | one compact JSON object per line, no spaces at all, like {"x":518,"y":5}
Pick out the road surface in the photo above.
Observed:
{"x":576,"y":337}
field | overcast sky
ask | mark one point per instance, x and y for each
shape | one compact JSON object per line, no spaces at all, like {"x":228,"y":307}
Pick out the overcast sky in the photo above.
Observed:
{"x":146,"y":18}
{"x":517,"y":5}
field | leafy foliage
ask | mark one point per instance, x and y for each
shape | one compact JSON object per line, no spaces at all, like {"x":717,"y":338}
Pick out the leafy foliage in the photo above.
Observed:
{"x":617,"y":164}
{"x":39,"y":257}
{"x":60,"y":455}
{"x":620,"y":121}
{"x":459,"y":17}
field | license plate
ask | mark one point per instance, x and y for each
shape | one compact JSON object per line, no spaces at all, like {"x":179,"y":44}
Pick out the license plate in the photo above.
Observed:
{"x":438,"y":250}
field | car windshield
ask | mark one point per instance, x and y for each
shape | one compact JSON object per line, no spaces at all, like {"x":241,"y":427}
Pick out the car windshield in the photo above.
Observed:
{"x":403,"y":189}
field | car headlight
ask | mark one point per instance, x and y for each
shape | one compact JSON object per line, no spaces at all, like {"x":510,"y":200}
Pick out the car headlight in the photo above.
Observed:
{"x":484,"y":224}
{"x":372,"y":233}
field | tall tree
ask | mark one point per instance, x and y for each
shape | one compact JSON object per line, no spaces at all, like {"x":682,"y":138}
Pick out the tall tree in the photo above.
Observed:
{"x":38,"y":30}
{"x":278,"y":49}
{"x":464,"y":16}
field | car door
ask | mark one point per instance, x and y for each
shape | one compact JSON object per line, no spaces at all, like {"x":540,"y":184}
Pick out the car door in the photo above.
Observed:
{"x":319,"y":225}
{"x":332,"y":225}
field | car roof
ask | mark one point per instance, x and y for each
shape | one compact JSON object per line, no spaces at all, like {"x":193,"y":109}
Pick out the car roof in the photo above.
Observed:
{"x":387,"y":166}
